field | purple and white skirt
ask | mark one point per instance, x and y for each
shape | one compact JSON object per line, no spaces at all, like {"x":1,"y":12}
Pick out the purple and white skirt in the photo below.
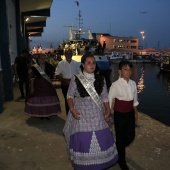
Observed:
{"x":93,"y":150}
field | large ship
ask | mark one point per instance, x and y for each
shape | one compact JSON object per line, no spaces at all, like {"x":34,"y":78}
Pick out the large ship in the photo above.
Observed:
{"x":81,"y":42}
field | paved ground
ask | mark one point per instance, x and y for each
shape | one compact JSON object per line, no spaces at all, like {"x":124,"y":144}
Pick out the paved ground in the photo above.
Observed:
{"x":33,"y":144}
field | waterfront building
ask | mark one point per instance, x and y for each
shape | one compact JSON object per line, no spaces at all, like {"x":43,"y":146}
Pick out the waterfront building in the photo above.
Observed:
{"x":19,"y":21}
{"x":119,"y":44}
{"x":151,"y":52}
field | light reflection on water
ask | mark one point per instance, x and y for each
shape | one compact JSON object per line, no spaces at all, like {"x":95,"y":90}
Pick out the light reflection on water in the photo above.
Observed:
{"x":138,"y":76}
{"x":153,"y":90}
{"x":139,"y":81}
{"x":140,"y":84}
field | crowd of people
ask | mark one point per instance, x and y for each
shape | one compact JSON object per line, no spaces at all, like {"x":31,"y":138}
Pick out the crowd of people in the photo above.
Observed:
{"x":80,"y":47}
{"x":88,"y":105}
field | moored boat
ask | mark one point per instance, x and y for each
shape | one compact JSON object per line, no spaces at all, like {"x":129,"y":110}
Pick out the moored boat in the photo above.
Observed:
{"x":165,"y":65}
{"x":115,"y":57}
{"x":141,"y":61}
{"x":81,"y":42}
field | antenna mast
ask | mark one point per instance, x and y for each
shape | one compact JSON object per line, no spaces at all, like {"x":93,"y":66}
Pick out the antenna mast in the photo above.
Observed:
{"x":80,"y":20}
{"x":79,"y":16}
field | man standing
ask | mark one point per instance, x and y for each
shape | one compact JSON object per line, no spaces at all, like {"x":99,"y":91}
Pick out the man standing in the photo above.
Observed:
{"x":64,"y":72}
{"x":104,"y":46}
{"x":21,"y":67}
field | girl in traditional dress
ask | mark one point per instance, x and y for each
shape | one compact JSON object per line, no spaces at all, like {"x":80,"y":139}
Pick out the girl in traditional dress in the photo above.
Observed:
{"x":42,"y":100}
{"x":90,"y":142}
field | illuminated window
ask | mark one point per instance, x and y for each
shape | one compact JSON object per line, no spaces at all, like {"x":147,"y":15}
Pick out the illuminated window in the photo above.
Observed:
{"x":121,"y":40}
{"x":120,"y":46}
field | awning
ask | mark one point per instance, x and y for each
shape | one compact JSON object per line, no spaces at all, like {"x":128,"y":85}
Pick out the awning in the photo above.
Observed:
{"x":34,"y":14}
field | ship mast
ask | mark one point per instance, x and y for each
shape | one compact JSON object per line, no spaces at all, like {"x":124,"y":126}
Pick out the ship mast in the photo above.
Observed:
{"x":80,"y":20}
{"x":78,"y":32}
{"x":80,"y":23}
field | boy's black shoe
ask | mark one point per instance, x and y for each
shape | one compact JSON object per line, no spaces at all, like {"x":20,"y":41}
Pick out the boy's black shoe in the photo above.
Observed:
{"x":123,"y":166}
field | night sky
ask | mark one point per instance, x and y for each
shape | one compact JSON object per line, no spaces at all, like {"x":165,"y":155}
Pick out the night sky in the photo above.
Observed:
{"x":116,"y":17}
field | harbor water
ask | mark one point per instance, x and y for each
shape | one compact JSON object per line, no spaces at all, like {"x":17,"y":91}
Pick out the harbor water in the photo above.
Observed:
{"x":153,"y":90}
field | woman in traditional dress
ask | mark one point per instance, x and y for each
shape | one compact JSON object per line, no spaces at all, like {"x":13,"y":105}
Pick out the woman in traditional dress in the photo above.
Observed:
{"x":42,"y":100}
{"x":90,"y":142}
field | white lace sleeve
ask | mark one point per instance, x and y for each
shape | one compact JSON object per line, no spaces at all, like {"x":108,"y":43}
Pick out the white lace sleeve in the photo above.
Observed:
{"x":70,"y":97}
{"x":104,"y":94}
{"x":105,"y":100}
{"x":72,"y":88}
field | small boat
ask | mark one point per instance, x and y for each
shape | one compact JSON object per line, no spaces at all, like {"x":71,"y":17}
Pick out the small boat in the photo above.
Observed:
{"x":115,"y":57}
{"x":165,"y":65}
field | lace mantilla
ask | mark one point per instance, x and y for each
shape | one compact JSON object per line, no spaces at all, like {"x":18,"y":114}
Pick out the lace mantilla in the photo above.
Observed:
{"x":89,"y":76}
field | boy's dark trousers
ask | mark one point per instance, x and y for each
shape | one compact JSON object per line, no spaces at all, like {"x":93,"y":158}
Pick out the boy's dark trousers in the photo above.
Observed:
{"x":125,"y":133}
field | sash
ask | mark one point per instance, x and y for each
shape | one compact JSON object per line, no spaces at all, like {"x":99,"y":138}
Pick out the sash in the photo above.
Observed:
{"x":34,"y":61}
{"x":90,"y":90}
{"x":41,"y":71}
{"x":123,"y":106}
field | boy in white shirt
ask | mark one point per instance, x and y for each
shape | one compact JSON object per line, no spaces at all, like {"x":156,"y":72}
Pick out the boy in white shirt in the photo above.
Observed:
{"x":123,"y":95}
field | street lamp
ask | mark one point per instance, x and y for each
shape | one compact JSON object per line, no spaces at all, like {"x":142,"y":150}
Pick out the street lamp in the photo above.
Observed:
{"x":142,"y":32}
{"x":143,"y":37}
{"x":143,"y":40}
